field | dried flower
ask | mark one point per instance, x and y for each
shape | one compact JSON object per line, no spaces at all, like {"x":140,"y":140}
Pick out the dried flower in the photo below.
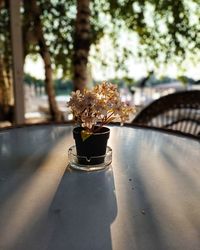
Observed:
{"x":100,"y":105}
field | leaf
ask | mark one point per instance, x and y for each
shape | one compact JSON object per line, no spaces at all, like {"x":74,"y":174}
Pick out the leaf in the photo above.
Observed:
{"x":85,"y":134}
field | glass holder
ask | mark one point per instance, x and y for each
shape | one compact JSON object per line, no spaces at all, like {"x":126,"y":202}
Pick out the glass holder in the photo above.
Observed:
{"x":74,"y":160}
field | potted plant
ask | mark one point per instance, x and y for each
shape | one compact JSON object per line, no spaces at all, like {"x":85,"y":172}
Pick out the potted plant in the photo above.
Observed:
{"x":93,"y":110}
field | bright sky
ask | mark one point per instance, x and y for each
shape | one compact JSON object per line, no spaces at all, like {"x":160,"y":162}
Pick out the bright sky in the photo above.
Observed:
{"x":136,"y":69}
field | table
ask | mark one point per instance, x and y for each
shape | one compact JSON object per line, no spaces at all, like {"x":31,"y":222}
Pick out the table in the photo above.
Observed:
{"x":148,"y":199}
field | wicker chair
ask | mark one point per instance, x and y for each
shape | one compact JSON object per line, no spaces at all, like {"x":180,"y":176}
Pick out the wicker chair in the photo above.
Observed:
{"x":178,"y":111}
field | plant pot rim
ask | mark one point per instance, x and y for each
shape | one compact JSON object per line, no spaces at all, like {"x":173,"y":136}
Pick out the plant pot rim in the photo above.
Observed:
{"x":77,"y":130}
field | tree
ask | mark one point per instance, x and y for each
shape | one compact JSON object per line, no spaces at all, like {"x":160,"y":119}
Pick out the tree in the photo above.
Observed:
{"x":32,"y":36}
{"x":32,"y":12}
{"x":6,"y":93}
{"x":82,"y":41}
{"x":167,"y":31}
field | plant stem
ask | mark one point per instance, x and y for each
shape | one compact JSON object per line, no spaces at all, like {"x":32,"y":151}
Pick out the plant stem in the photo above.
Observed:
{"x":103,"y":123}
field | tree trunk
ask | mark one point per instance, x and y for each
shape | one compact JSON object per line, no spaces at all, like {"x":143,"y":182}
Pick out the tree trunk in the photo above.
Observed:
{"x":6,"y":86}
{"x":82,"y":41}
{"x":44,"y":52}
{"x":1,"y":3}
{"x":6,"y":97}
{"x":27,"y":28}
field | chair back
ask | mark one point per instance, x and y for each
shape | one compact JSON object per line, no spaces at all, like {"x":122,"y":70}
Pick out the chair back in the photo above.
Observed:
{"x":178,"y":111}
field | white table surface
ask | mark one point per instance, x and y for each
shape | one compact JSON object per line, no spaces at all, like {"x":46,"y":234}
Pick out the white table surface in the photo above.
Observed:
{"x":148,"y":199}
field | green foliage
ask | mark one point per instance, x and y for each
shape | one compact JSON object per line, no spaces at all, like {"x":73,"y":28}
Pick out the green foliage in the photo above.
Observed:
{"x":186,"y":80}
{"x":5,"y":38}
{"x":62,"y":87}
{"x":167,"y":30}
{"x":31,"y":80}
{"x":58,"y":18}
{"x":58,"y":22}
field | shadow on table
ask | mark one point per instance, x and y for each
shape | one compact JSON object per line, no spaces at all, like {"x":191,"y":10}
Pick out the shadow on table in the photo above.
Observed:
{"x":165,"y":191}
{"x":45,"y":208}
{"x":22,"y":153}
{"x":32,"y":163}
{"x":83,"y":209}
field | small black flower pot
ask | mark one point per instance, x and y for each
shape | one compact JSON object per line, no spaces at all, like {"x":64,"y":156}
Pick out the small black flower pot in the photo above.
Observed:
{"x":92,"y":150}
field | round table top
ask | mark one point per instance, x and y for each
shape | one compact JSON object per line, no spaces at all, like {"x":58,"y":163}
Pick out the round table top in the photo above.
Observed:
{"x":147,"y":199}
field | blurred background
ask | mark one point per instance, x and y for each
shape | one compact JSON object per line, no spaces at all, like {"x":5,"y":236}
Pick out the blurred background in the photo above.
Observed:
{"x":48,"y":48}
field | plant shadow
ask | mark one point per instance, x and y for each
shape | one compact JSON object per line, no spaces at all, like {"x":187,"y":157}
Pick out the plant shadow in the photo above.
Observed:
{"x":82,"y":211}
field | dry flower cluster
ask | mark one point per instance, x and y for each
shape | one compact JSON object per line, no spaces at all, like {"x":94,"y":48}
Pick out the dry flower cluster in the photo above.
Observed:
{"x":100,"y":105}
